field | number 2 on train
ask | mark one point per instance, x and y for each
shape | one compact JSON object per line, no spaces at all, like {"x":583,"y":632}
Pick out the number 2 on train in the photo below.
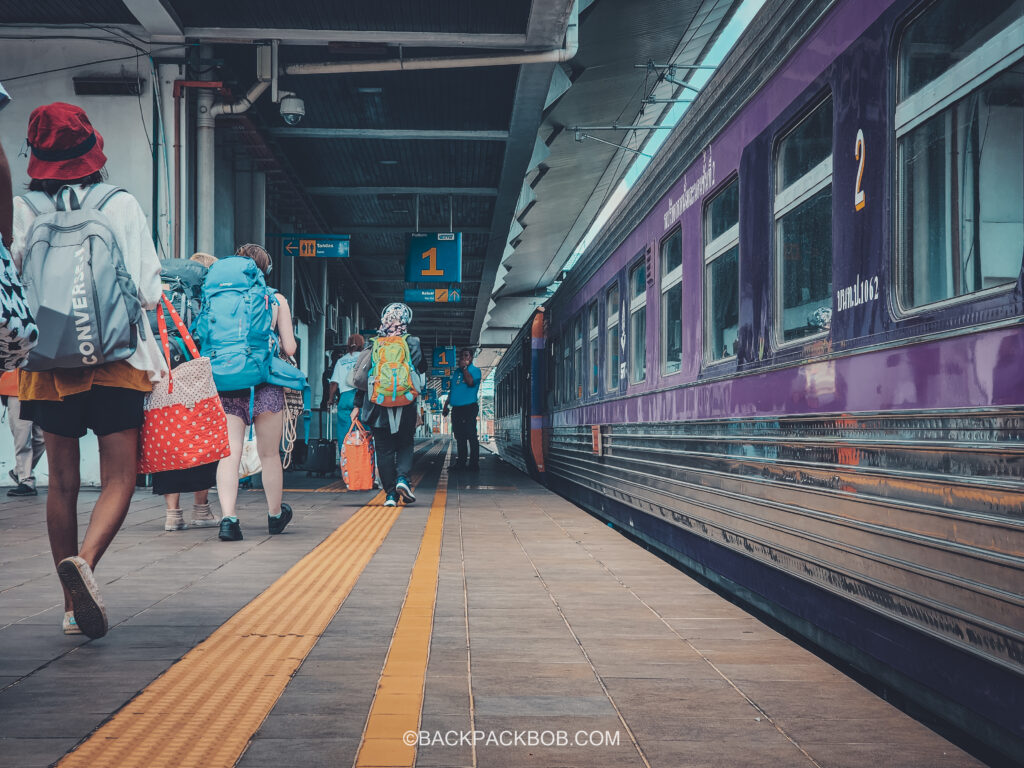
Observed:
{"x":859,"y":200}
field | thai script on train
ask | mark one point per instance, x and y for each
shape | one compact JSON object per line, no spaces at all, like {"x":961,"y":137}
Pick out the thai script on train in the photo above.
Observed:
{"x":694,"y":192}
{"x":80,"y":303}
{"x":859,"y":293}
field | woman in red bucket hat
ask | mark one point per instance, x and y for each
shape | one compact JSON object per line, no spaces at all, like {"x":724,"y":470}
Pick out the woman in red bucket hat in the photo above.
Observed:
{"x":66,"y":166}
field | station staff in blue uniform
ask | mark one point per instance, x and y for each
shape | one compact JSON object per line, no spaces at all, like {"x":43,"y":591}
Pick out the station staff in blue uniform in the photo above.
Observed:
{"x":462,"y":401}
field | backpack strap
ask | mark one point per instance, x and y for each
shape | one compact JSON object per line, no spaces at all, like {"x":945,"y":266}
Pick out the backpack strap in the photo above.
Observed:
{"x":39,"y":202}
{"x":99,"y":195}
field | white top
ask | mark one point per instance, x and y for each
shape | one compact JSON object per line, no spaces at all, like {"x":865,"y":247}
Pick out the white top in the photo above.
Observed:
{"x":129,"y":225}
{"x":342,"y":369}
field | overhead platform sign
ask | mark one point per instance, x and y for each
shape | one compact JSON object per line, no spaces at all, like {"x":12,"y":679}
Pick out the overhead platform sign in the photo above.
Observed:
{"x":444,"y":357}
{"x":316,"y":246}
{"x":434,"y":257}
{"x":450,"y":295}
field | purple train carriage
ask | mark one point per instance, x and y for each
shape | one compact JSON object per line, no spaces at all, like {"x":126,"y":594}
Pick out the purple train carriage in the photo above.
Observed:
{"x":794,"y":359}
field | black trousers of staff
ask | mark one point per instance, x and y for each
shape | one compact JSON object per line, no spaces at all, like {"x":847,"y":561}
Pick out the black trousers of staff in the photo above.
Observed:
{"x":464,"y":429}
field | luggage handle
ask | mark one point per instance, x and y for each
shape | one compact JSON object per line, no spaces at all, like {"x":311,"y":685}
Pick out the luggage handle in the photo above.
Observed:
{"x":161,"y":323}
{"x":357,"y":424}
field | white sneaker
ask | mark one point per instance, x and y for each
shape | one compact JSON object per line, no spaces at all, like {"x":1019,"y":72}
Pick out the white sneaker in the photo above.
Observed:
{"x":69,"y":625}
{"x":90,"y":615}
{"x":175,"y":520}
{"x":202,"y":517}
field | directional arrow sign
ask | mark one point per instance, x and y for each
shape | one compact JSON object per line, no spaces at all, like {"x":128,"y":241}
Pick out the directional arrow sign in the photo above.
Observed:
{"x":316,"y":246}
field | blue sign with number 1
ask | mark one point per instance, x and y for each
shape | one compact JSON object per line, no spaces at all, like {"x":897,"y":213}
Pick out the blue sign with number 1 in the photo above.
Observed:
{"x":434,"y":257}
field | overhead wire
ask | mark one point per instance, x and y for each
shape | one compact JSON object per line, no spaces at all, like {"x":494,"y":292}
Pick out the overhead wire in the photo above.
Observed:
{"x":6,"y":79}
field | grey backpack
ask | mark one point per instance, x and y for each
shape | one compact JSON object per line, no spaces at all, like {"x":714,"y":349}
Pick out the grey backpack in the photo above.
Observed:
{"x":85,"y":303}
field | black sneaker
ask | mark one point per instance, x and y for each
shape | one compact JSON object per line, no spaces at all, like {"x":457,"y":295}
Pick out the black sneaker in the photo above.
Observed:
{"x":404,"y":491}
{"x":230,"y":530}
{"x":23,"y":489}
{"x":391,"y":500}
{"x":277,"y":523}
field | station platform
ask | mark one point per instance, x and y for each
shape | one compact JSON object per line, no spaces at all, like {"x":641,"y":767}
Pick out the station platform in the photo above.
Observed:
{"x":491,"y":623}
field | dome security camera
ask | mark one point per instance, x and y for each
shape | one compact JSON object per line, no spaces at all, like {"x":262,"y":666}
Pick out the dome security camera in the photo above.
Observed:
{"x":292,"y":109}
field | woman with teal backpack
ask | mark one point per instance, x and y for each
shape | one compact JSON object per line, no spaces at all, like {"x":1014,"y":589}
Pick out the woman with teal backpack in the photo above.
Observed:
{"x":241,"y":356}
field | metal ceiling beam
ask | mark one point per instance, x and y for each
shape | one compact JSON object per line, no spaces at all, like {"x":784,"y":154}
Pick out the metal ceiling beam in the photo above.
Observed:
{"x":388,"y":229}
{"x":325,"y":36}
{"x":156,"y":16}
{"x":350,"y":191}
{"x":386,"y":134}
{"x":548,"y":21}
{"x":531,"y":89}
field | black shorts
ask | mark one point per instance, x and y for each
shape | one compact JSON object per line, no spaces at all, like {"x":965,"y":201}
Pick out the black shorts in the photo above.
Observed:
{"x":104,"y":410}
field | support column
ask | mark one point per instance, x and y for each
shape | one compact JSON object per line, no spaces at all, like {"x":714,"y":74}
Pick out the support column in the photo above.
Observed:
{"x":205,"y":165}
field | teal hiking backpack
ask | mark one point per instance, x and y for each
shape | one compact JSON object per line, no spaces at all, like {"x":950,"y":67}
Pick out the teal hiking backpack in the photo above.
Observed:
{"x":234,"y":324}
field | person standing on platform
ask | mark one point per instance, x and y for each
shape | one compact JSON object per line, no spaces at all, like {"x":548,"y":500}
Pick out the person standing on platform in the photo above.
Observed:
{"x":66,"y":164}
{"x":462,"y":402}
{"x":394,"y":428}
{"x":28,"y":439}
{"x":342,"y":393}
{"x":195,"y":480}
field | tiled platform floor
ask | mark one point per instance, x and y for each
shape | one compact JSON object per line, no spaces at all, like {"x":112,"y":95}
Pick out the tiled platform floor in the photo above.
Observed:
{"x":546,"y":620}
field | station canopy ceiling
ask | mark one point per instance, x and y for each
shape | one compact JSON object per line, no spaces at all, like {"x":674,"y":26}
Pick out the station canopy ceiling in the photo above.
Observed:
{"x":488,"y":149}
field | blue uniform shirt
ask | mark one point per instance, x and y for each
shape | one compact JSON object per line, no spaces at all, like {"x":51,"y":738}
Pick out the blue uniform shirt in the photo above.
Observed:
{"x":462,"y":394}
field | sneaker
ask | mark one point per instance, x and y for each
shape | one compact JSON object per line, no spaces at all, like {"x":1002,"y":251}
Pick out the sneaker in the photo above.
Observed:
{"x":175,"y":520}
{"x":391,"y":500}
{"x":69,"y":625}
{"x":202,"y":517}
{"x":277,"y":523}
{"x":90,"y":615}
{"x":230,"y":530}
{"x":23,"y":489}
{"x":403,"y":489}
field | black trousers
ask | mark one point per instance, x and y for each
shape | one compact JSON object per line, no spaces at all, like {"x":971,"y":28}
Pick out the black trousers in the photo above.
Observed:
{"x":394,"y":451}
{"x":464,"y":429}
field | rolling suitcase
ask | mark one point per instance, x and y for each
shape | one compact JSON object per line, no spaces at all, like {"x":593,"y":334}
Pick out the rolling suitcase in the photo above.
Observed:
{"x":321,"y":454}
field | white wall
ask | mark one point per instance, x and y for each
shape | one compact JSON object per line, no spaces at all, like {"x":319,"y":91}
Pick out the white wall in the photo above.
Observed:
{"x":123,"y":123}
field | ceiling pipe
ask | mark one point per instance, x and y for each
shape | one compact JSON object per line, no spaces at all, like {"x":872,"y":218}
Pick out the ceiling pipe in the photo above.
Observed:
{"x":179,"y":90}
{"x":565,"y":53}
{"x":206,"y":122}
{"x":244,"y":103}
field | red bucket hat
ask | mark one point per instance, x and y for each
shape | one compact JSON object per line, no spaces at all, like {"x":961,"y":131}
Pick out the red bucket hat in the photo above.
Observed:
{"x":64,"y":144}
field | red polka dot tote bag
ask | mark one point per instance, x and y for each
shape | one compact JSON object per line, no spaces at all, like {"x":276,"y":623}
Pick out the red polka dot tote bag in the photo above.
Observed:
{"x":184,"y":425}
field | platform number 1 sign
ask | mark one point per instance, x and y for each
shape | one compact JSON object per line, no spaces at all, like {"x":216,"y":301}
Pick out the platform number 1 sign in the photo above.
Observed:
{"x":434,"y":257}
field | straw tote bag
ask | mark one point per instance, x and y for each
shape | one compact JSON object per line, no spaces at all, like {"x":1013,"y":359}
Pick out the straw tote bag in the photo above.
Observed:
{"x":184,"y":424}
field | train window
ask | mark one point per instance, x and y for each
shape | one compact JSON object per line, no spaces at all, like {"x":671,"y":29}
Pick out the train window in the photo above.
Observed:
{"x":803,"y":227}
{"x":567,"y":366}
{"x":555,"y":371}
{"x":612,"y":337}
{"x":960,"y":168}
{"x":638,"y":322}
{"x":672,"y":303}
{"x":581,"y":372}
{"x":722,"y":273}
{"x":595,"y":348}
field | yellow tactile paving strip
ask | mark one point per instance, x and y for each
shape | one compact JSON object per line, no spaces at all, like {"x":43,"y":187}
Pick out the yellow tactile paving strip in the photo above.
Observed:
{"x":204,"y":710}
{"x":398,"y":702}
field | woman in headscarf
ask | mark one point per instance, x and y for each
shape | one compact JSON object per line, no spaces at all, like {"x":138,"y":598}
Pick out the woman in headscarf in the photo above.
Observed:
{"x":393,"y":427}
